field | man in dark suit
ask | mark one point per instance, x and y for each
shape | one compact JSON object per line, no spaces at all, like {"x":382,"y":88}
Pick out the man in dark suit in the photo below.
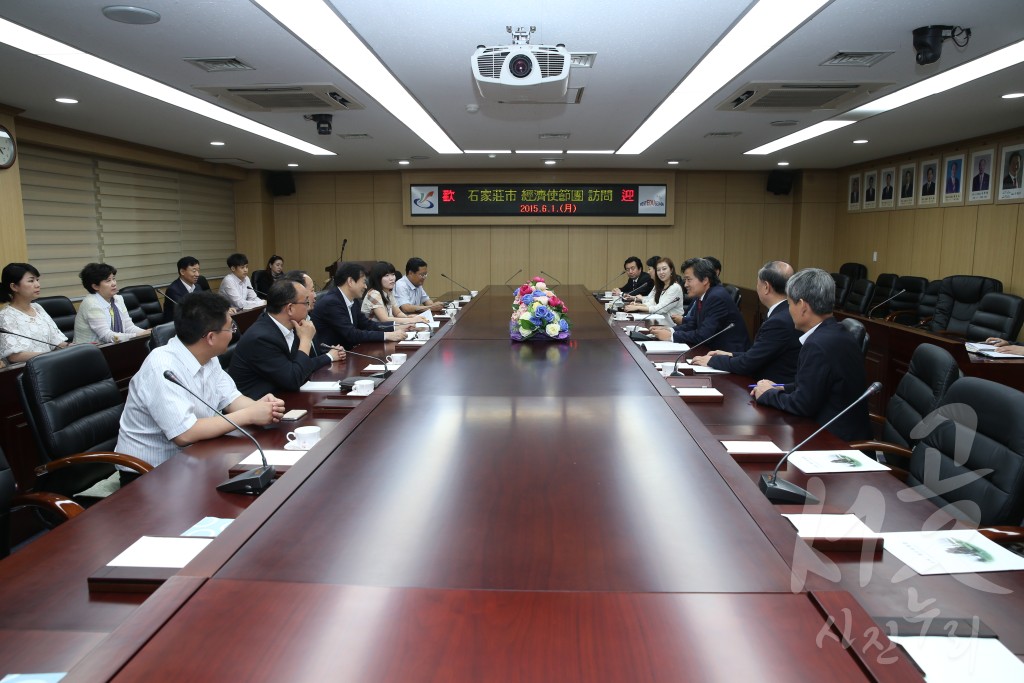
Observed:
{"x":953,"y":181}
{"x":776,"y":346}
{"x":981,"y":180}
{"x":907,"y":189}
{"x":338,"y":318}
{"x":189,"y":281}
{"x":869,"y":193}
{"x":1011,"y":180}
{"x":928,"y":187}
{"x":830,"y":374}
{"x":715,"y":309}
{"x":887,"y":188}
{"x":639,"y":283}
{"x":276,"y":354}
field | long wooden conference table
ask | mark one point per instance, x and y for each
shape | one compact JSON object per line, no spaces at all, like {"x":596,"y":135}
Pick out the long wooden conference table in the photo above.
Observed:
{"x":493,"y":511}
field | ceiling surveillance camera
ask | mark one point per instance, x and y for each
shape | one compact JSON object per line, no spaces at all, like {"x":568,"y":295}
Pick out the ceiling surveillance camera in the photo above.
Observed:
{"x":928,"y":41}
{"x":323,"y":123}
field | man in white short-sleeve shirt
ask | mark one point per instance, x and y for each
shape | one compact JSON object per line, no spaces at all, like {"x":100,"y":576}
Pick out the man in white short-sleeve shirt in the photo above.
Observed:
{"x":409,"y":293}
{"x":160,"y":418}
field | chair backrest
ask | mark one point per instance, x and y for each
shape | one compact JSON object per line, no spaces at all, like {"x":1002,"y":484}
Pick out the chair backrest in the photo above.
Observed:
{"x":959,"y":297}
{"x":160,"y":335}
{"x":72,"y":405}
{"x":735,"y":293}
{"x":149,"y":301}
{"x":225,"y":358}
{"x":907,"y":301}
{"x":135,"y":311}
{"x":854,"y":271}
{"x":859,"y":298}
{"x":842,"y":288}
{"x":62,"y":311}
{"x":856,"y":328}
{"x":929,"y":300}
{"x":998,"y":315}
{"x":884,"y":288}
{"x":973,"y":455}
{"x":7,"y":491}
{"x":932,"y":371}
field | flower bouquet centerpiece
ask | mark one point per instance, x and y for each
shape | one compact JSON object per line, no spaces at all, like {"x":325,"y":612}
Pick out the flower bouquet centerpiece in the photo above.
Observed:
{"x":537,"y":314}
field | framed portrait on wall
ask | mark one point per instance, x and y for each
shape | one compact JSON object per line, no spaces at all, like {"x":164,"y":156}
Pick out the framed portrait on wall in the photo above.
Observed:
{"x":952,"y":180}
{"x":853,"y":189}
{"x":908,"y":186}
{"x":980,"y":174}
{"x":887,"y":188}
{"x":870,"y":189}
{"x":1011,"y":173}
{"x":928,"y":181}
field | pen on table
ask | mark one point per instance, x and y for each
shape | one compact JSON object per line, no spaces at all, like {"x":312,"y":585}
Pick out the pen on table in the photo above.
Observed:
{"x":751,"y":386}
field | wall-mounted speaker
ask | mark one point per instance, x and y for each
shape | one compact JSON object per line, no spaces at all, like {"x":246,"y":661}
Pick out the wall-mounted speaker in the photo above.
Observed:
{"x":780,"y":182}
{"x":280,"y":183}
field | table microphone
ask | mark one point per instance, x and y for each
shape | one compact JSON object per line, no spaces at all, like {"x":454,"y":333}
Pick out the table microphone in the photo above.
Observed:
{"x":168,"y":297}
{"x":675,"y":363}
{"x":557,"y":281}
{"x":250,"y":481}
{"x":15,"y":334}
{"x":637,"y":336}
{"x":610,"y":281}
{"x":781,"y":491}
{"x":512,"y":276}
{"x":875,"y":308}
{"x":456,"y":283}
{"x":382,"y":375}
{"x":622,"y":294}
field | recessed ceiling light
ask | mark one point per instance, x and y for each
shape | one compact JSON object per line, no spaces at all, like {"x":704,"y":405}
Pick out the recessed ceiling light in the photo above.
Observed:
{"x":292,"y":165}
{"x":126,"y":14}
{"x":66,"y":100}
{"x":550,"y":162}
{"x":590,"y":151}
{"x":492,"y":152}
{"x":538,"y":151}
{"x":783,"y":163}
{"x":860,"y":142}
{"x":673,"y":162}
{"x":403,"y":162}
{"x":217,"y":143}
{"x":1013,"y":95}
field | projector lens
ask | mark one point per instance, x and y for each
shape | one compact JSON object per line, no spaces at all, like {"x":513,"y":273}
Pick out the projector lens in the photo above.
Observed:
{"x":520,"y":66}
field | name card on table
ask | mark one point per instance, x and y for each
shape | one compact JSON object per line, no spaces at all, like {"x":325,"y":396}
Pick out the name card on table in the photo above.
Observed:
{"x":146,"y":564}
{"x":844,"y":532}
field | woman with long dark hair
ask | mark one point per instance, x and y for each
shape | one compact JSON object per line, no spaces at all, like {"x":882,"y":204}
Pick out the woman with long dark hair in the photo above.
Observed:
{"x":19,"y":288}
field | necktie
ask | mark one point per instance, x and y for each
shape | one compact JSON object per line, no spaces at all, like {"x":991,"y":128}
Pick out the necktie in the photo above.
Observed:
{"x":115,"y":317}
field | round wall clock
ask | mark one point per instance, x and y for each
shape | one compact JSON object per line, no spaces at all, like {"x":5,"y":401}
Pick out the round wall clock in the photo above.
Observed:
{"x":8,"y":148}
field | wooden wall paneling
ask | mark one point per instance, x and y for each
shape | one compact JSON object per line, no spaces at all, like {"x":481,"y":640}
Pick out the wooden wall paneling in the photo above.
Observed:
{"x":776,"y":239}
{"x":899,"y":256}
{"x":814,"y":236}
{"x":354,"y":222}
{"x":387,"y":187}
{"x":12,"y":214}
{"x":876,"y":240}
{"x":747,"y":188}
{"x":354,"y":188}
{"x":705,"y":233}
{"x":996,"y":242}
{"x":509,"y":249}
{"x":620,"y":244}
{"x":1017,"y":286}
{"x":392,"y":241}
{"x":588,"y":257}
{"x":471,"y":263}
{"x":249,"y":229}
{"x":286,"y":231}
{"x":434,"y":245}
{"x":549,"y":251}
{"x":705,"y":187}
{"x":927,"y":249}
{"x":741,"y":254}
{"x":313,"y":188}
{"x":820,"y":187}
{"x":959,"y":232}
{"x":670,"y":242}
{"x":315,"y":243}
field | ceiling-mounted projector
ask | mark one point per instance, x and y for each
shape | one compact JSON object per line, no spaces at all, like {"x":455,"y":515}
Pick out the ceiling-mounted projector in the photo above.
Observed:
{"x":522,"y":73}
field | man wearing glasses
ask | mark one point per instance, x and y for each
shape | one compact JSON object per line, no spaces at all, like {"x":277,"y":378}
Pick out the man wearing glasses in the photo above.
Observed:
{"x":159,"y":418}
{"x":409,"y":293}
{"x":277,"y":352}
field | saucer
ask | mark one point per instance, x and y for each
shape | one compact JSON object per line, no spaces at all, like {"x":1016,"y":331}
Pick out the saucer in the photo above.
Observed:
{"x":292,"y":446}
{"x":356,"y":393}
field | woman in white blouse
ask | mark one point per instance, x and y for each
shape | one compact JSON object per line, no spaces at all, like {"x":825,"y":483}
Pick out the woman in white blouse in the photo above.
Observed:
{"x":19,"y":288}
{"x":102,"y":317}
{"x":667,"y":296}
{"x":379,"y":300}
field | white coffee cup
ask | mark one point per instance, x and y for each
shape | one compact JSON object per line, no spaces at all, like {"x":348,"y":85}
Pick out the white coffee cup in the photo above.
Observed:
{"x":304,"y":437}
{"x":667,"y":368}
{"x":621,"y":315}
{"x":396,"y":358}
{"x":656,"y":319}
{"x":473,"y":293}
{"x":609,"y":295}
{"x":363,"y":387}
{"x":466,"y":297}
{"x":423,"y":335}
{"x":391,"y":367}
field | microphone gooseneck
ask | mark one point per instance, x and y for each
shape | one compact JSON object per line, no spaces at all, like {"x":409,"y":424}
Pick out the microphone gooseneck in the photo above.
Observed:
{"x":251,"y":481}
{"x":23,"y":336}
{"x":610,"y":280}
{"x":675,"y":363}
{"x":456,"y":283}
{"x":512,"y":276}
{"x":557,"y":281}
{"x":875,"y":308}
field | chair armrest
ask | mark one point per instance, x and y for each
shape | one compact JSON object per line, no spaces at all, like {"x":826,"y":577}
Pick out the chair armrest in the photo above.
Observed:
{"x":903,"y":318}
{"x":876,"y":418}
{"x":883,"y":446}
{"x":54,"y":502}
{"x":951,"y":335}
{"x":1003,"y":534}
{"x":129,"y":461}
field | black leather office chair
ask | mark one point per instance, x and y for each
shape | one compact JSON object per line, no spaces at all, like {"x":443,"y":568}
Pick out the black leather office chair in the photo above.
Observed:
{"x":973,"y":457}
{"x":854,"y":271}
{"x":959,"y":297}
{"x":229,"y":353}
{"x":59,"y":507}
{"x":160,"y":335}
{"x":73,"y":407}
{"x":905,"y":305}
{"x":998,"y":315}
{"x":859,"y":298}
{"x":856,"y":328}
{"x":842,"y":288}
{"x":62,"y":311}
{"x":932,"y":371}
{"x":135,"y":311}
{"x":735,"y":293}
{"x":149,"y":302}
{"x":884,"y":288}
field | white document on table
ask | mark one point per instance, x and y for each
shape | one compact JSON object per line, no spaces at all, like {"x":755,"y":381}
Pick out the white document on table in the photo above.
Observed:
{"x":274,"y":457}
{"x":752,"y":447}
{"x":954,"y":551}
{"x":656,"y":346}
{"x":320,"y":386}
{"x":208,"y":527}
{"x":947,"y":659}
{"x":698,"y":392}
{"x":154,"y":551}
{"x":830,"y":526}
{"x":831,"y":462}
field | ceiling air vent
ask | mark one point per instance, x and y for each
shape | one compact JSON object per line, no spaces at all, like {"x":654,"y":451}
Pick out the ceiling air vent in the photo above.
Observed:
{"x":212,"y":64}
{"x":305,"y":98}
{"x":855,"y":58}
{"x":795,"y":96}
{"x":723,"y":134}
